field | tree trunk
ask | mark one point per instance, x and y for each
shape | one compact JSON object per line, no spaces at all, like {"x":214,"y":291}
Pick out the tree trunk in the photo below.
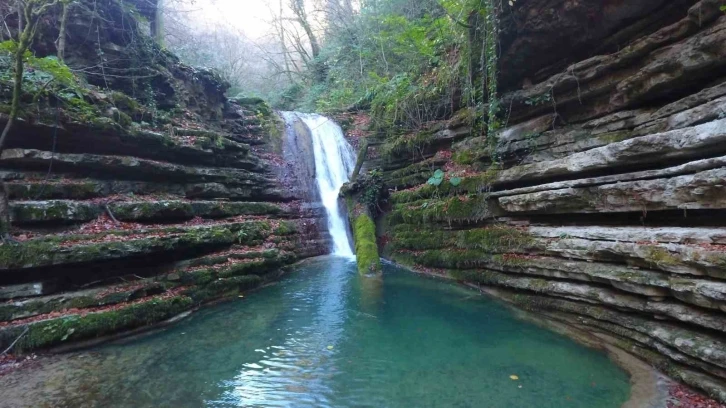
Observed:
{"x":298,"y":8}
{"x":157,"y":23}
{"x":62,"y":32}
{"x":284,"y":47}
{"x":25,"y":37}
{"x":17,"y":88}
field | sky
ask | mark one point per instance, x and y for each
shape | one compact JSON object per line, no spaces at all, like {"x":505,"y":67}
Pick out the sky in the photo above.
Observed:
{"x":250,"y":16}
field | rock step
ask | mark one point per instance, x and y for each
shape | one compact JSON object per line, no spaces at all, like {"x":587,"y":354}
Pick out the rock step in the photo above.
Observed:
{"x":75,"y":327}
{"x":668,"y":235}
{"x":89,"y":317}
{"x":84,"y":189}
{"x":206,"y":148}
{"x":26,"y":212}
{"x":671,"y":310}
{"x":704,"y":190}
{"x":482,"y":183}
{"x":697,"y":142}
{"x":654,"y":284}
{"x":124,"y":167}
{"x":22,"y":307}
{"x":538,"y":141}
{"x":54,"y":251}
{"x":681,"y":259}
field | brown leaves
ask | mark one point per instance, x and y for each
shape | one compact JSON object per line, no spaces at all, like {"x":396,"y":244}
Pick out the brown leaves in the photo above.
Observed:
{"x":684,"y":397}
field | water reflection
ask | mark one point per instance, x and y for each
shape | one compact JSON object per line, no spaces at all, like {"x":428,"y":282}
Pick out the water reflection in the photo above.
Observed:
{"x":371,"y":294}
{"x":305,"y":362}
{"x":328,"y":337}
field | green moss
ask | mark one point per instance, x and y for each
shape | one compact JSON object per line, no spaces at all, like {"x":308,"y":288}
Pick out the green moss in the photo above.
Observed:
{"x":150,"y":210}
{"x":614,"y":137}
{"x":127,"y":105}
{"x":73,"y":328}
{"x":45,"y":191}
{"x":44,"y":252}
{"x":415,"y":238}
{"x":451,"y":259}
{"x":27,"y":253}
{"x":407,"y":144}
{"x":463,"y":158}
{"x":660,"y":256}
{"x":17,"y":310}
{"x":449,"y":210}
{"x":223,"y":288}
{"x":285,"y":228}
{"x":366,"y":248}
{"x":497,"y":238}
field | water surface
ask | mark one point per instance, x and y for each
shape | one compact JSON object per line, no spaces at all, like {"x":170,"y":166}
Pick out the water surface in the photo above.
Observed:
{"x":326,"y":337}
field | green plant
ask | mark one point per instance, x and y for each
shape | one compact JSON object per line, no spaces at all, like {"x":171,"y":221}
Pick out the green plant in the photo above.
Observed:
{"x":437,"y":178}
{"x":538,"y":99}
{"x":373,"y":191}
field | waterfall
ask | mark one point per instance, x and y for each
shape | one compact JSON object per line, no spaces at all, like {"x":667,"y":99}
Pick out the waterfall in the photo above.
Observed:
{"x":334,"y":162}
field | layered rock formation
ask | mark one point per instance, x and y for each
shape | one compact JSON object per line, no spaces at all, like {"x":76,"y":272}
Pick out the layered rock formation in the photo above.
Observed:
{"x":130,"y":208}
{"x":601,"y":204}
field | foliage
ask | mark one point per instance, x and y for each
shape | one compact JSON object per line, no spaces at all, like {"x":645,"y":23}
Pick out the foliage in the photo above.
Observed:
{"x":410,"y":63}
{"x":437,"y":178}
{"x":373,"y":190}
{"x":43,"y":77}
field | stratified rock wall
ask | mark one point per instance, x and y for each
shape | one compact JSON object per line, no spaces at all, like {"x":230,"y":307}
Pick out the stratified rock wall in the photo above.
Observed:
{"x":602,"y":203}
{"x":129,"y":211}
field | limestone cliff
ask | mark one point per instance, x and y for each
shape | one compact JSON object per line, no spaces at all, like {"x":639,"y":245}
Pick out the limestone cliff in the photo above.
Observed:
{"x":601,"y":204}
{"x":138,"y":190}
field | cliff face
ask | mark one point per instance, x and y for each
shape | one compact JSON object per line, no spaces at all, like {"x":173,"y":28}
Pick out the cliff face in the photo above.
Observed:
{"x":601,"y":205}
{"x":138,"y":191}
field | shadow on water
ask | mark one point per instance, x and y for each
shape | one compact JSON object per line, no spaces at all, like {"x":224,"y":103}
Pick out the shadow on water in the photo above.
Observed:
{"x":327,"y":337}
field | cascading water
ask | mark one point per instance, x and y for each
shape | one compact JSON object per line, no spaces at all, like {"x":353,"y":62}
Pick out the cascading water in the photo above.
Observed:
{"x":334,"y":162}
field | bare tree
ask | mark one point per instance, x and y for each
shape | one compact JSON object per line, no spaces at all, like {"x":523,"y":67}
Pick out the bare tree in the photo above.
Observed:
{"x":28,"y":20}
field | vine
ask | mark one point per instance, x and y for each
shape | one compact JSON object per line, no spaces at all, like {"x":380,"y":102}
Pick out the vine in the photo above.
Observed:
{"x":491,"y":59}
{"x":373,"y":191}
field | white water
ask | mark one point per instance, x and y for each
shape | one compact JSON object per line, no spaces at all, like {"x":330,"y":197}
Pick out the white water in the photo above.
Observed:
{"x":334,"y":163}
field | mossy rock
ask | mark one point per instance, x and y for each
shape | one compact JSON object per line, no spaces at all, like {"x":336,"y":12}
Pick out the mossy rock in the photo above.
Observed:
{"x":366,"y":248}
{"x":53,"y":211}
{"x":53,"y":332}
{"x":78,"y":190}
{"x":223,"y":288}
{"x":448,"y":210}
{"x":478,"y":184}
{"x":87,"y":299}
{"x":47,"y":252}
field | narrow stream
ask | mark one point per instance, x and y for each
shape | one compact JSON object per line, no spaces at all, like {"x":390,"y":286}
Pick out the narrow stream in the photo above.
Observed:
{"x":326,"y":337}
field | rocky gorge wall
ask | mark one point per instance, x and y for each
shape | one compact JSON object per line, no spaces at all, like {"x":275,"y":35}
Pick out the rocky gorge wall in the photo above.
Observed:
{"x":143,"y":198}
{"x":601,"y":204}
